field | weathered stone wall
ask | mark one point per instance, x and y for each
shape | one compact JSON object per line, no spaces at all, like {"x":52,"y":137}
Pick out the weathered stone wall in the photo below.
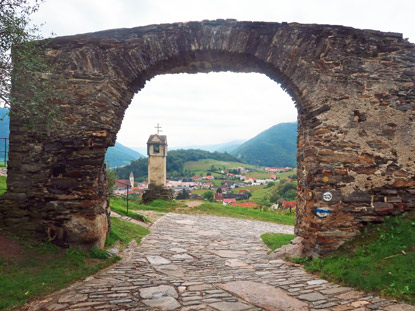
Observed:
{"x":354,"y":90}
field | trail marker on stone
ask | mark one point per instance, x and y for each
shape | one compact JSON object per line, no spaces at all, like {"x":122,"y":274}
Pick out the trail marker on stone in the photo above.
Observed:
{"x":322,"y":212}
{"x":327,"y":196}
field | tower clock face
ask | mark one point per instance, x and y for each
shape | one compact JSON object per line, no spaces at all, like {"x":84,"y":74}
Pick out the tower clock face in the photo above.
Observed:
{"x":156,"y":148}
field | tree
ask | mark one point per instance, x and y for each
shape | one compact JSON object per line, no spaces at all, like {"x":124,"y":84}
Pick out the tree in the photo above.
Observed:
{"x":270,"y":184}
{"x":183,"y":195}
{"x":208,"y":195}
{"x":30,"y":71}
{"x":274,"y":196}
{"x":111,"y":181}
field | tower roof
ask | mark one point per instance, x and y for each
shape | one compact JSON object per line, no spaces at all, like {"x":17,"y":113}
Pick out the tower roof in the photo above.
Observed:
{"x":157,"y":139}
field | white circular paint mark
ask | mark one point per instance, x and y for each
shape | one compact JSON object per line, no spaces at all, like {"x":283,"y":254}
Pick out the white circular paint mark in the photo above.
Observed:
{"x":327,"y":196}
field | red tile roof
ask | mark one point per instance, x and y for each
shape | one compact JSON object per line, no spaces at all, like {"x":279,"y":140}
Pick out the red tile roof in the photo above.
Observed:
{"x":288,"y":204}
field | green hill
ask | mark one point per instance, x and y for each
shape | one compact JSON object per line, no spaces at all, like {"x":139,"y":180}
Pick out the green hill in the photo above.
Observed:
{"x":276,"y":146}
{"x":176,"y":161}
{"x":120,"y":155}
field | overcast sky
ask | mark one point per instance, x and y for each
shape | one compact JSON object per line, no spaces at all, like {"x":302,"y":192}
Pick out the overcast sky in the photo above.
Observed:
{"x":217,"y":107}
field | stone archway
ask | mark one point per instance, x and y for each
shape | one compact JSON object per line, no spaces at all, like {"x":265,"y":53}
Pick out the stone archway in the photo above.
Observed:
{"x":354,"y":91}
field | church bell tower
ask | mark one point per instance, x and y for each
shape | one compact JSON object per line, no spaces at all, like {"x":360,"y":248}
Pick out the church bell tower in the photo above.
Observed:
{"x":157,"y":153}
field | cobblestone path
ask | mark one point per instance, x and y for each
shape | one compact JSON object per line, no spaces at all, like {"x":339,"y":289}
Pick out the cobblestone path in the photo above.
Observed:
{"x":208,"y":263}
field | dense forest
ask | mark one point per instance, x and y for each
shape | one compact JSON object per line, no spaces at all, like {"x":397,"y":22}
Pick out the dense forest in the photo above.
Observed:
{"x":175,"y":163}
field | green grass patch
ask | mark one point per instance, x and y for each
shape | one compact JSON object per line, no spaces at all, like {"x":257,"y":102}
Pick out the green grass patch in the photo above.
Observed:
{"x":218,"y":209}
{"x":286,"y":175}
{"x":381,"y":260}
{"x":124,"y":232}
{"x":204,"y":164}
{"x":121,"y":203}
{"x":276,"y":240}
{"x":122,"y":210}
{"x":3,"y":186}
{"x":200,"y":191}
{"x":259,"y":175}
{"x":161,"y":206}
{"x":42,"y":267}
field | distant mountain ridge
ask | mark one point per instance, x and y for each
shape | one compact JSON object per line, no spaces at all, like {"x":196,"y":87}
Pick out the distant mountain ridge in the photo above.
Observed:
{"x":120,"y":155}
{"x":175,"y":163}
{"x":222,"y":147}
{"x":276,"y":146}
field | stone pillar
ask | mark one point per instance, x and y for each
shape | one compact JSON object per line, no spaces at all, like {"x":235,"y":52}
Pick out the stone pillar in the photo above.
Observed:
{"x":157,"y":154}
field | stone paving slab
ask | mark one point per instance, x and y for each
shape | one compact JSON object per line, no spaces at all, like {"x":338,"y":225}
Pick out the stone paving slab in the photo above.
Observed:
{"x":193,"y":262}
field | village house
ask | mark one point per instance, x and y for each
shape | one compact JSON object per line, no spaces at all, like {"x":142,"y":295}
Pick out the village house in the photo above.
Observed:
{"x":242,"y":196}
{"x":278,"y":169}
{"x":207,"y":185}
{"x":219,"y":196}
{"x":231,"y":184}
{"x":288,"y":204}
{"x":242,"y":169}
{"x":249,"y":180}
{"x":259,"y":182}
{"x":186,"y":183}
{"x":229,"y":195}
{"x":194,"y":196}
{"x":122,"y":185}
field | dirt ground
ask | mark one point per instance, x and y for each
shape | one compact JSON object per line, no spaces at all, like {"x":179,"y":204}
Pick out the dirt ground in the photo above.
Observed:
{"x":9,"y":248}
{"x":194,"y":203}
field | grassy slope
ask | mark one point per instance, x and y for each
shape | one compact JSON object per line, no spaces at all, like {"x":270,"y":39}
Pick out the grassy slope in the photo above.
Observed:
{"x":276,"y":240}
{"x":214,"y":209}
{"x":205,"y":164}
{"x":125,"y":232}
{"x":381,"y":260}
{"x":159,"y":205}
{"x":2,"y":184}
{"x":43,"y":268}
{"x":120,"y":155}
{"x":218,"y":209}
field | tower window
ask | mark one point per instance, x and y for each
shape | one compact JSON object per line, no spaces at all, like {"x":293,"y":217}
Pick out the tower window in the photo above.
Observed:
{"x":156,"y":148}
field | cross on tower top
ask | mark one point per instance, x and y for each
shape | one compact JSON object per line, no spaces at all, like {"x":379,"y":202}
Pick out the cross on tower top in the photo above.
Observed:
{"x":158,"y":127}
